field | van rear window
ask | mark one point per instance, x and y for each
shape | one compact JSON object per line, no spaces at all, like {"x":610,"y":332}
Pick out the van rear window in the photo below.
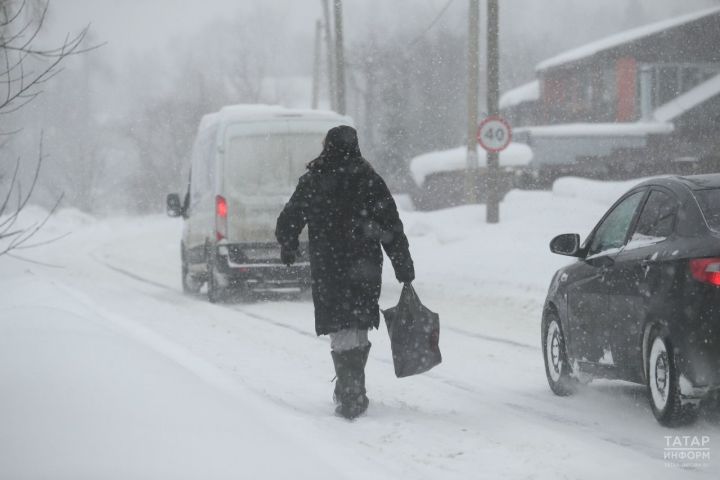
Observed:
{"x":709,"y":201}
{"x":269,"y":164}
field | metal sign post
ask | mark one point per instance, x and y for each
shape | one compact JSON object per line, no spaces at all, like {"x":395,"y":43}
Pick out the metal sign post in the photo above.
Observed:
{"x":471,"y":174}
{"x":494,"y":135}
{"x":493,"y":100}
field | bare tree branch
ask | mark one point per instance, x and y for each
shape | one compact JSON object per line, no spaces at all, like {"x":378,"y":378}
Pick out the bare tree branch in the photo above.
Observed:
{"x":18,"y":46}
{"x":20,"y":26}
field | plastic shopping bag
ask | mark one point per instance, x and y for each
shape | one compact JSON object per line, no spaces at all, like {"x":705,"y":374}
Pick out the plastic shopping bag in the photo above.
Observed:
{"x":414,"y":334}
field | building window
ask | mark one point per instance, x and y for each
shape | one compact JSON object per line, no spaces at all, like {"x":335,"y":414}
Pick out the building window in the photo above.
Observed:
{"x":595,"y":94}
{"x":667,"y":84}
{"x":606,"y":98}
{"x":667,"y":81}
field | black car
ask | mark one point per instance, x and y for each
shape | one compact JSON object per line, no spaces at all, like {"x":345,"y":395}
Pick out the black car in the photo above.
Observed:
{"x":642,"y":303}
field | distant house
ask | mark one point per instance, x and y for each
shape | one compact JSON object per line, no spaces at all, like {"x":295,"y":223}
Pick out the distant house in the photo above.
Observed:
{"x":642,"y":101}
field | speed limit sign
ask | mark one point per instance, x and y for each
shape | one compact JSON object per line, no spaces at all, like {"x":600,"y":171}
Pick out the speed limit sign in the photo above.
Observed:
{"x":494,"y":134}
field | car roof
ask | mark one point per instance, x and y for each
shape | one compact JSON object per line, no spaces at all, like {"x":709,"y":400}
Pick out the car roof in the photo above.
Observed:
{"x":691,"y":182}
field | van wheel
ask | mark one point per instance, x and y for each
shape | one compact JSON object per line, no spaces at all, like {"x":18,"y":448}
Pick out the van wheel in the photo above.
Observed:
{"x":663,"y":383}
{"x":190,"y":285}
{"x":557,"y":367}
{"x":216,"y":292}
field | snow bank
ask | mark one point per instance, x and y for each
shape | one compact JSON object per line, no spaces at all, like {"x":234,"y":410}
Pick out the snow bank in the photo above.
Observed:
{"x":529,"y":92}
{"x":516,"y":155}
{"x":458,"y":253}
{"x":50,"y":228}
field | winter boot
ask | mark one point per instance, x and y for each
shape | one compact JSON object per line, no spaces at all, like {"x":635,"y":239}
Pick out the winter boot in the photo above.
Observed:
{"x":339,"y":381}
{"x":350,"y":395}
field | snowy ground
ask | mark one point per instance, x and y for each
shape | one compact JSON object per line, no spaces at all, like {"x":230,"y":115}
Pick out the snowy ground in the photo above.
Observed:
{"x":108,"y":371}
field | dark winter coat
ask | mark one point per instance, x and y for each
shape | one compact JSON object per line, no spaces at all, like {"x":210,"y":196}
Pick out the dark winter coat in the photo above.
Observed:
{"x":350,"y":213}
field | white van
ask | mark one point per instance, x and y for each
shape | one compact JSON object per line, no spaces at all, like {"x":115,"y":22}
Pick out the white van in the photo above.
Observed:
{"x":246,"y":161}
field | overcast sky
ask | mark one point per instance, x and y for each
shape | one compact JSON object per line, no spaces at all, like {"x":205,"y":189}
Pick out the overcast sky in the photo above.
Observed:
{"x":142,"y":24}
{"x":147,"y":24}
{"x":148,"y":29}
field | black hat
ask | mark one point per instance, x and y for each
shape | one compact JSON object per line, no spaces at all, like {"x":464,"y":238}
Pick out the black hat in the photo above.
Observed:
{"x":341,"y":140}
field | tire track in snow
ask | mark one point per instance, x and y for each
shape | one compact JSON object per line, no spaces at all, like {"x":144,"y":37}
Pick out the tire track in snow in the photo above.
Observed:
{"x":490,"y":338}
{"x":300,"y":331}
{"x":433,"y":375}
{"x":253,"y":315}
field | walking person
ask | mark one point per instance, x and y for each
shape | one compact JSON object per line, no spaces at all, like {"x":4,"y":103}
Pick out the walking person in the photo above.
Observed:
{"x":350,"y":214}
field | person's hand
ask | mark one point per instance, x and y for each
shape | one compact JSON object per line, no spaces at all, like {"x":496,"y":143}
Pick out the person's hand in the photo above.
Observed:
{"x":406,"y":276}
{"x":287,"y":256}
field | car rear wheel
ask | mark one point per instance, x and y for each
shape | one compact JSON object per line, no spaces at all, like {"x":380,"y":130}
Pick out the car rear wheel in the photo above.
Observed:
{"x":663,"y":383}
{"x":557,"y":367}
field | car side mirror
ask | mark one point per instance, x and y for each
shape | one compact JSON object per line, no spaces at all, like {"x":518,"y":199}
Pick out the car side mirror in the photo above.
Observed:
{"x":174,"y":207}
{"x":566,"y":244}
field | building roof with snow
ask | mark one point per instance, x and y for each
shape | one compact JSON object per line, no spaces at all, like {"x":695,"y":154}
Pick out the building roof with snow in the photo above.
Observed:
{"x":623,"y":38}
{"x":613,"y":130}
{"x":528,"y":92}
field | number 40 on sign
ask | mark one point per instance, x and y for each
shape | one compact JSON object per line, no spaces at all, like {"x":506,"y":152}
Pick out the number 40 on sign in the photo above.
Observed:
{"x":494,"y":134}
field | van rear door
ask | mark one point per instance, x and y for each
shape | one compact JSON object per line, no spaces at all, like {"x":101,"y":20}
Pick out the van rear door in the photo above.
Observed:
{"x":261,"y":168}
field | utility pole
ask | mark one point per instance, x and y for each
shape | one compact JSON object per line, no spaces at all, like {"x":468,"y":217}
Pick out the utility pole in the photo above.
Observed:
{"x":339,"y":59}
{"x":330,"y":55}
{"x":471,"y":175}
{"x":493,"y":99}
{"x":316,"y":66}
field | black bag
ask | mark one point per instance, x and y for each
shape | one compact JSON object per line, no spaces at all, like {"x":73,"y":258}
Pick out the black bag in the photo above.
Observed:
{"x":414,"y":334}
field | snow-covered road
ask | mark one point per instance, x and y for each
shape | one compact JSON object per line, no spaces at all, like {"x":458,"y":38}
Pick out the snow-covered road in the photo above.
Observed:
{"x":108,"y":371}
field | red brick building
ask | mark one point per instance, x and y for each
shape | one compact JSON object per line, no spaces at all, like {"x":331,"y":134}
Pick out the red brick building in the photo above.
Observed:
{"x":642,"y":101}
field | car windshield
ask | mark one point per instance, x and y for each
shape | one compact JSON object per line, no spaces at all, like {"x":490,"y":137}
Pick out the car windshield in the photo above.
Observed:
{"x":269,"y":164}
{"x":709,"y":201}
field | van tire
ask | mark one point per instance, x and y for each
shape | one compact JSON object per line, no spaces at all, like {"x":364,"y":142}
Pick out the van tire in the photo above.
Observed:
{"x":216,"y":292}
{"x":190,"y":284}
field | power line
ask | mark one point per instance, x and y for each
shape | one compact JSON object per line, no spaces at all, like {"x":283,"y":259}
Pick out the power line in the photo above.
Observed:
{"x":432,"y":24}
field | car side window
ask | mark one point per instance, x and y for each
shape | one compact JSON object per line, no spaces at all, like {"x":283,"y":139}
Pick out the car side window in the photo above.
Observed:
{"x":656,"y":221}
{"x":611,"y":233}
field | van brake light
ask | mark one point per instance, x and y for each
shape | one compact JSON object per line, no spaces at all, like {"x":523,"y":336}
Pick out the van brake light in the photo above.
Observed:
{"x":221,"y":211}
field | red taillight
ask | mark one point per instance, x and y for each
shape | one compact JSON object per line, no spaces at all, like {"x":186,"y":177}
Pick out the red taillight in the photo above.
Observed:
{"x":221,"y":206}
{"x":706,"y":270}
{"x":221,"y":211}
